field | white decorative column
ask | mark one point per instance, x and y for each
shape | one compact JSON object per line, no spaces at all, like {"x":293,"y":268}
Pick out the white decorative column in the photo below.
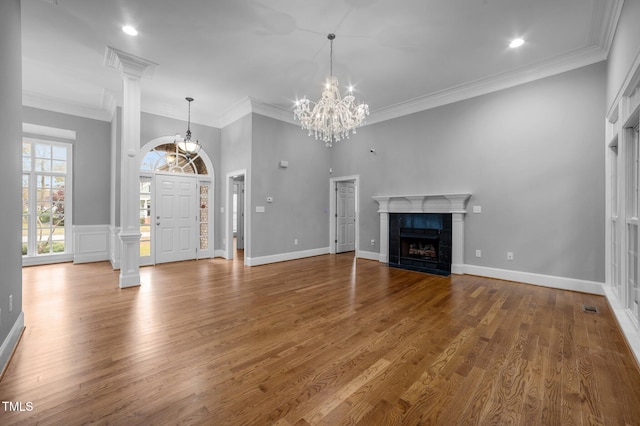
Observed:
{"x":132,"y":68}
{"x":457,"y":249}
{"x":455,"y":204}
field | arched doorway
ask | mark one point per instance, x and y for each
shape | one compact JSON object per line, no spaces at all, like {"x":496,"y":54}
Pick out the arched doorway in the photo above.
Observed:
{"x":176,"y":203}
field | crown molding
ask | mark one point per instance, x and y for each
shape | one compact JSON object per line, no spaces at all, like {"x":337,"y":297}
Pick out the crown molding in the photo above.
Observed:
{"x":247,"y":105}
{"x":35,"y":100}
{"x":128,"y":63}
{"x":273,"y":111}
{"x":235,"y":112}
{"x":574,"y":60}
{"x":606,"y":14}
{"x":604,"y":22}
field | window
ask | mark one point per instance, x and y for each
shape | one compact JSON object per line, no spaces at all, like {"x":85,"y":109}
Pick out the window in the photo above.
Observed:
{"x":204,"y":216}
{"x":145,"y":216}
{"x":613,"y":179}
{"x":632,"y":184}
{"x":46,"y":190}
{"x":168,"y":158}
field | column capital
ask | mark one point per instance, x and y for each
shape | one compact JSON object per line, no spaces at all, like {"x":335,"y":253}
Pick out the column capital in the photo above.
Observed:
{"x":128,"y":64}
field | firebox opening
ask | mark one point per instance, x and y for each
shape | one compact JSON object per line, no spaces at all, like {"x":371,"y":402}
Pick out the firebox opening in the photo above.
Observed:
{"x":420,"y":242}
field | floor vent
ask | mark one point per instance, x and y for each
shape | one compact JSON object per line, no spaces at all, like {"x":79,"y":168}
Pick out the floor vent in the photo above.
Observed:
{"x":590,"y":309}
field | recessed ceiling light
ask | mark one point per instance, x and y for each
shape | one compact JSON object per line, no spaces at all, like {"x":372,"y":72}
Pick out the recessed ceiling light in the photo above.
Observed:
{"x":128,"y":29}
{"x":517,"y":42}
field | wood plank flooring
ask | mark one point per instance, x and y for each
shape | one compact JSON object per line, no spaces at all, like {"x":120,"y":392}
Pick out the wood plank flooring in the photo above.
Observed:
{"x":326,"y":340}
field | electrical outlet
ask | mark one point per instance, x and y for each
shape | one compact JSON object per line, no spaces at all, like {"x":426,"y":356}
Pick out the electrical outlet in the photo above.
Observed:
{"x":373,"y":242}
{"x":10,"y":302}
{"x":478,"y":253}
{"x":509,"y":255}
{"x":477,"y":209}
{"x":295,"y":242}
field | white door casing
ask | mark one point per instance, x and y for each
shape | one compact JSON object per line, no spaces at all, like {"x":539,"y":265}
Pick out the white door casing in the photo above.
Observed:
{"x":345,"y":217}
{"x":240,"y":218}
{"x":176,"y":218}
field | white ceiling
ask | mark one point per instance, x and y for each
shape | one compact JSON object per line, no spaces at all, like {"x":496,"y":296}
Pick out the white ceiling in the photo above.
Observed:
{"x":401,"y":55}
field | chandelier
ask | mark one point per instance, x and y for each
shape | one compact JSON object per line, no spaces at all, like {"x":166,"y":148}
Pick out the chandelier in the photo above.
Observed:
{"x":332,"y":118}
{"x":186,"y":145}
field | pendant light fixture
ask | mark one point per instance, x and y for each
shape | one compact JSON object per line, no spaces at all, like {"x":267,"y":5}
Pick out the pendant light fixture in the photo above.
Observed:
{"x":186,"y":145}
{"x":332,"y":118}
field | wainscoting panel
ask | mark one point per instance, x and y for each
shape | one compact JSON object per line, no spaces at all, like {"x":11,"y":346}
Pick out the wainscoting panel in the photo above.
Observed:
{"x":91,"y":243}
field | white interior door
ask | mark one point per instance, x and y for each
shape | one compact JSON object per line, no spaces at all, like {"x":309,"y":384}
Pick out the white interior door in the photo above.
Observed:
{"x":346,"y":217}
{"x":176,"y":218}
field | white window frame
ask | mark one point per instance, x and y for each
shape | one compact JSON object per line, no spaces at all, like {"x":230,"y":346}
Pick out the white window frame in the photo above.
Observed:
{"x":67,"y":255}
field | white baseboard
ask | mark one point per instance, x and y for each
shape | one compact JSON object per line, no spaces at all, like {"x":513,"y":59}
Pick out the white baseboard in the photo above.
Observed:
{"x":9,"y":344}
{"x":627,"y":325}
{"x":368,"y":255}
{"x":263,"y":260}
{"x":46,"y":259}
{"x":457,"y":269}
{"x":560,"y":283}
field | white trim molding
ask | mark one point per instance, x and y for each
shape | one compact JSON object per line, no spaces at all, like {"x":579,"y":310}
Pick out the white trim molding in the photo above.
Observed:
{"x":46,"y":259}
{"x":551,"y":281}
{"x":91,"y":243}
{"x":114,"y":247}
{"x":456,"y":204}
{"x":625,"y":321}
{"x":10,"y":343}
{"x":570,"y":61}
{"x":369,"y":255}
{"x":263,"y":260}
{"x":333,"y":187}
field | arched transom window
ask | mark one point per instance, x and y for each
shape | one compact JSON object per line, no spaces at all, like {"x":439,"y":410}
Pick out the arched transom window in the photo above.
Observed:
{"x":168,"y":158}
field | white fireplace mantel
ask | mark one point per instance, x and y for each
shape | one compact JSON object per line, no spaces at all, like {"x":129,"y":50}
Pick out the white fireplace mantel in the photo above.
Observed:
{"x":456,"y":204}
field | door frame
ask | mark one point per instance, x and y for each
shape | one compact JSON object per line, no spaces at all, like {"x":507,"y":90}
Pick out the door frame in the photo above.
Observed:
{"x":209,"y":179}
{"x":333,"y":186}
{"x":239,"y":213}
{"x":200,"y":180}
{"x":228,"y":232}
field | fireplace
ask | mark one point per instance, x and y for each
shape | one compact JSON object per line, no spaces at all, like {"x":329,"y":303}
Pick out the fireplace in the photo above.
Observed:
{"x":421,"y":242}
{"x":419,"y":247}
{"x":432,"y":239}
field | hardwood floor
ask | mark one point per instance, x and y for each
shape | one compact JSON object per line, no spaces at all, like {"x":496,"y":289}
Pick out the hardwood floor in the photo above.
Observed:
{"x":324,"y":340}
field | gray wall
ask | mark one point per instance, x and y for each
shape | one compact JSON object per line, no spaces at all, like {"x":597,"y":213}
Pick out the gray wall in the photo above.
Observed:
{"x":531,"y":156}
{"x":10,"y":213}
{"x":300,"y":192}
{"x":236,"y":155}
{"x":624,"y":49}
{"x":91,"y":162}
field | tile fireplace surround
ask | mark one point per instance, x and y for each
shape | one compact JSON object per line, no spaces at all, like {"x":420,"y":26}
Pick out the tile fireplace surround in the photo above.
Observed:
{"x":455,"y":204}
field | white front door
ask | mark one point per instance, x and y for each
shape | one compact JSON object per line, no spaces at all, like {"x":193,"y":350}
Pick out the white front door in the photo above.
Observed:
{"x":176,"y":218}
{"x":346,"y":217}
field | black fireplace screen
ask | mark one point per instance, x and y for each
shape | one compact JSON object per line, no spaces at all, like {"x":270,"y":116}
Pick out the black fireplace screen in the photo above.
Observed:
{"x":420,"y":241}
